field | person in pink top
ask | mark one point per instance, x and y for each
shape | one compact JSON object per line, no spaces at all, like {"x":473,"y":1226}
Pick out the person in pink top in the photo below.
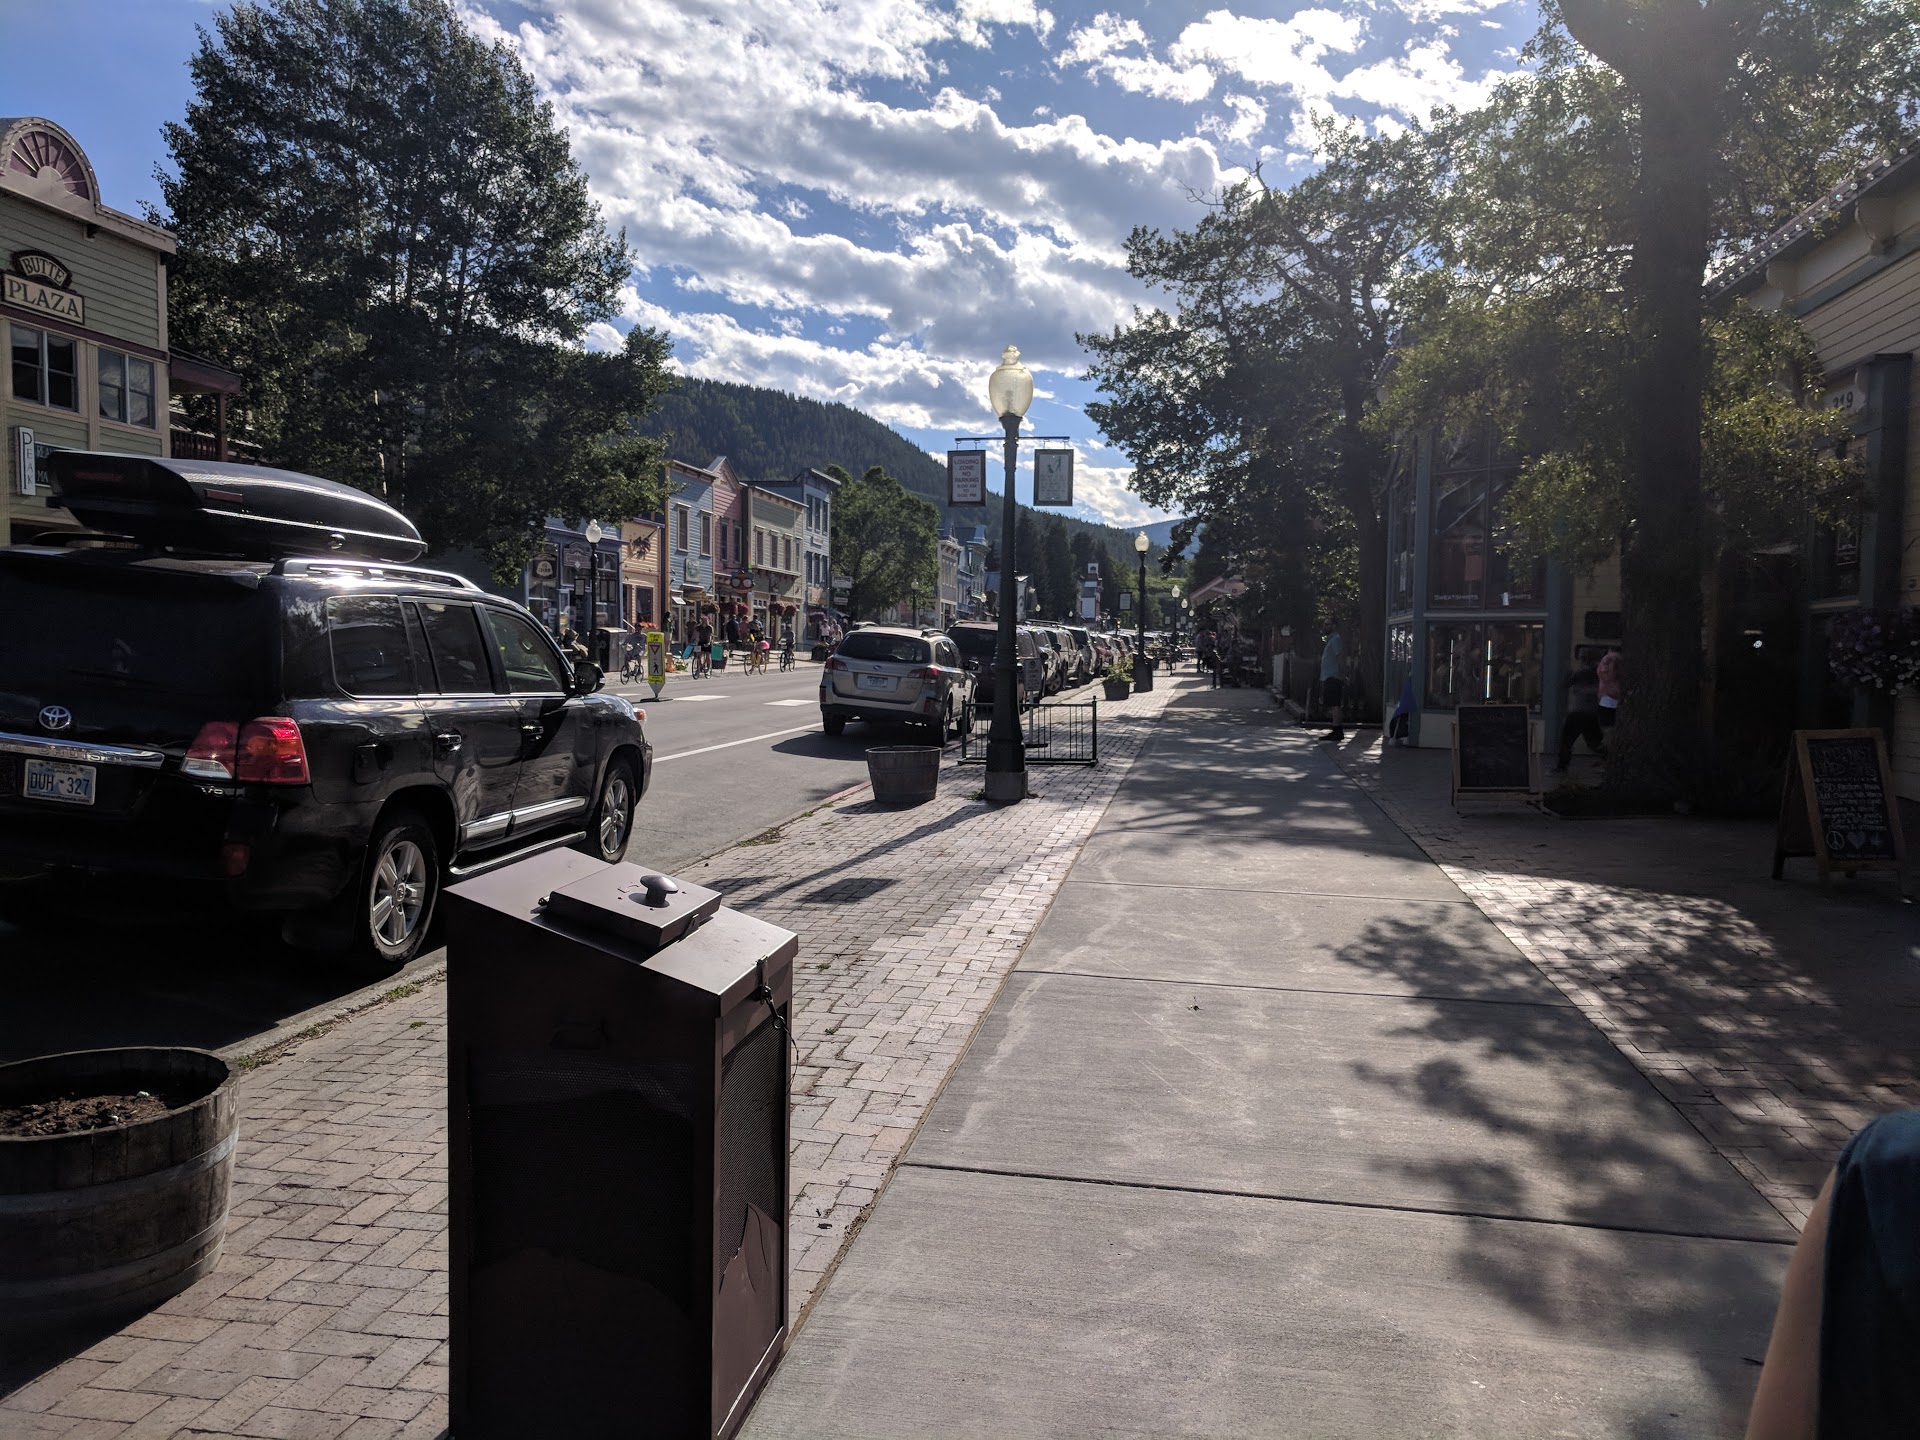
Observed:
{"x":1608,"y":673}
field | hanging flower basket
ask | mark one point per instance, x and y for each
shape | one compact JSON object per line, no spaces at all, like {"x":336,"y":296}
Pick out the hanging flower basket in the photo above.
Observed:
{"x":1876,"y":649}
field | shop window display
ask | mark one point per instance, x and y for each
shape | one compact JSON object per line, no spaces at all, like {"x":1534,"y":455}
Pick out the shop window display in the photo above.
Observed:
{"x":1475,"y":662}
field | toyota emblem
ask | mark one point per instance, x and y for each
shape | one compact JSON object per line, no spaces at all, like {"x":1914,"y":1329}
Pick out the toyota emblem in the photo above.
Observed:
{"x":55,"y":717}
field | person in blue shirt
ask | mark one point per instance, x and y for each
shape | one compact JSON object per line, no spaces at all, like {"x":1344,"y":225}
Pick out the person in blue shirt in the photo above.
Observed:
{"x":1844,"y":1360}
{"x":1331,"y":686}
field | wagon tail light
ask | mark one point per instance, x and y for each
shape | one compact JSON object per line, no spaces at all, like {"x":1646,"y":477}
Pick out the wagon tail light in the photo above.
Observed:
{"x":266,"y":751}
{"x":924,"y":672}
{"x":834,"y":662}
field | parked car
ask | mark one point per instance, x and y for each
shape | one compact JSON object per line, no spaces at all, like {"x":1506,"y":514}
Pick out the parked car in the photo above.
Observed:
{"x":977,"y":642}
{"x":887,"y":672}
{"x":1053,"y":658}
{"x":1083,"y":657}
{"x":326,"y":739}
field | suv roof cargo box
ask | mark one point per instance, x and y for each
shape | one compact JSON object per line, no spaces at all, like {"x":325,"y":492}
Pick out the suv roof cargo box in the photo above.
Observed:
{"x":217,"y":508}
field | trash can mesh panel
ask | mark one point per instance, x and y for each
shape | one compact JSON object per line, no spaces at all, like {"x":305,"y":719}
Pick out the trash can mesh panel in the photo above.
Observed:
{"x":587,"y":1158}
{"x":751,"y":1121}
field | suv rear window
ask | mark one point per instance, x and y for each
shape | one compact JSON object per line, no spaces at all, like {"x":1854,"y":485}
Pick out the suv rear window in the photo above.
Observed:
{"x":371,"y":655}
{"x":171,"y":634}
{"x":874,"y":645}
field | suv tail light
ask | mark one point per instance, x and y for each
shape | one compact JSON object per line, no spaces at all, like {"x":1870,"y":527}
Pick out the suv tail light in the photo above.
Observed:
{"x":272,"y":752}
{"x":212,"y":756}
{"x":834,"y":662}
{"x":924,"y":672}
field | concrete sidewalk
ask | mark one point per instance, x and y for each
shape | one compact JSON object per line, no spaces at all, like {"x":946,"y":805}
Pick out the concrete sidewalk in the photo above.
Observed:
{"x":1273,"y":1132}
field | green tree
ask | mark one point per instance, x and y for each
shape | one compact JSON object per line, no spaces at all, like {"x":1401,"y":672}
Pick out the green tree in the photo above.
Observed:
{"x":383,"y":229}
{"x":1247,"y":406}
{"x":1702,"y":128}
{"x":885,"y":540}
{"x":1056,"y":571}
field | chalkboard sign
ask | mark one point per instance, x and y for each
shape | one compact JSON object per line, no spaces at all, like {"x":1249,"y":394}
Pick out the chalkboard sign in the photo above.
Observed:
{"x":1492,"y":753}
{"x":1839,"y":804}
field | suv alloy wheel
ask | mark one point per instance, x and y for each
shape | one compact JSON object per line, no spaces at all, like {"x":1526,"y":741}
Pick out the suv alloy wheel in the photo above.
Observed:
{"x":398,"y":892}
{"x":610,"y":826}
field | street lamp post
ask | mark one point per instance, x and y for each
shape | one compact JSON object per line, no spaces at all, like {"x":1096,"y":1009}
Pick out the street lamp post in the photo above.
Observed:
{"x":594,"y":536}
{"x":1010,"y":391}
{"x":1175,"y":617}
{"x":1142,"y":666}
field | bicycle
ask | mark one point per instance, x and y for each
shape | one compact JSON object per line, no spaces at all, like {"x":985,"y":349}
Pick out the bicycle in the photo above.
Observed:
{"x":757,"y":659}
{"x":787,"y":662}
{"x":702,"y":662}
{"x":631,"y":671}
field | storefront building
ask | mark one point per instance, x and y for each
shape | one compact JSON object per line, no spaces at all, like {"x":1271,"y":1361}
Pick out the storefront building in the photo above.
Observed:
{"x":948,"y":598}
{"x":779,"y":549}
{"x":689,"y":545}
{"x":643,"y":574}
{"x":730,"y":525}
{"x":1464,"y":623}
{"x":83,"y":320}
{"x":1849,"y":271}
{"x":815,"y":489}
{"x":567,"y":569}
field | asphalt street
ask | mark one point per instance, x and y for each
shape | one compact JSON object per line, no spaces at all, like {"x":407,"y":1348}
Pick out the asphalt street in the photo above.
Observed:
{"x":734,"y":756}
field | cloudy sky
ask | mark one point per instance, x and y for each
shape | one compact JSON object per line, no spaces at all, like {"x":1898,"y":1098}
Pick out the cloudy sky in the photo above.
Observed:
{"x":864,"y":200}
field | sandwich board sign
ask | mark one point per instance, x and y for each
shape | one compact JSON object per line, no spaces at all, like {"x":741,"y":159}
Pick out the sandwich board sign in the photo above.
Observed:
{"x":1492,"y":751}
{"x":1838,"y":804}
{"x":966,"y":477}
{"x":1053,"y":477}
{"x":656,"y":661}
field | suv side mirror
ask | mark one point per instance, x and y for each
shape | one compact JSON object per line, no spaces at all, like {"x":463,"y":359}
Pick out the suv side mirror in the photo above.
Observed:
{"x":587,"y":677}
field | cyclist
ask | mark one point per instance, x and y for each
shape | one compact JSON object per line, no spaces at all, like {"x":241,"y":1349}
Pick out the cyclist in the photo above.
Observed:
{"x":703,"y":647}
{"x":630,"y":672}
{"x":786,"y":648}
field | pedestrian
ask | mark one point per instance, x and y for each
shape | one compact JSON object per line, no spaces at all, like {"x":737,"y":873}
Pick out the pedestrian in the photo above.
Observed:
{"x":703,"y":634}
{"x":733,"y":633}
{"x":1607,"y":672}
{"x":1332,"y":688}
{"x":1583,"y":710}
{"x":1400,"y":726}
{"x":1841,"y":1358}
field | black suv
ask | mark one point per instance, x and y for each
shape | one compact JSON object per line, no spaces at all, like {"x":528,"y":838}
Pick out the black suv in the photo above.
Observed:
{"x":328,"y":739}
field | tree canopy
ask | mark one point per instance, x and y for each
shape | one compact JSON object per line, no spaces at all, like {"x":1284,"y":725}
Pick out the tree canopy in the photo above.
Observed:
{"x":885,"y":540}
{"x":383,"y":230}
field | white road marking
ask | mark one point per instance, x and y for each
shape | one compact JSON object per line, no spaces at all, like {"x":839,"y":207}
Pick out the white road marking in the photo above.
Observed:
{"x":707,"y":749}
{"x":708,"y":696}
{"x":803,"y":700}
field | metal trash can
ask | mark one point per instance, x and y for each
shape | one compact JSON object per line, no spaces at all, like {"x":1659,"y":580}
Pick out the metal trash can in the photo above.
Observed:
{"x":619,"y":1121}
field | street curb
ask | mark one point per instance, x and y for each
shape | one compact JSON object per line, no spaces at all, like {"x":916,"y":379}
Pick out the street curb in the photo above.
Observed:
{"x":332,"y":1012}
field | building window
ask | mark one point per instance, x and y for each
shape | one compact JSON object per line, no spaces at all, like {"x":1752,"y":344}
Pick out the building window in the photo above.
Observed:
{"x":1457,"y":565}
{"x":126,"y":388}
{"x":679,"y":527}
{"x":739,"y":544}
{"x":706,"y":533}
{"x":46,"y":369}
{"x":723,"y":542}
{"x":1493,"y":662}
{"x":786,"y":552}
{"x":1400,"y":549}
{"x":759,"y":547}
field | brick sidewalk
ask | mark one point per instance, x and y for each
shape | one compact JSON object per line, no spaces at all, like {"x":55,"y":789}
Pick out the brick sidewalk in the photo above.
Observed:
{"x":1776,"y":1018}
{"x":327,"y":1316}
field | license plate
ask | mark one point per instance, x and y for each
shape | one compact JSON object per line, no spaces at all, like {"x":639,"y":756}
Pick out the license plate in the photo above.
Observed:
{"x":51,"y":780}
{"x":878,"y":682}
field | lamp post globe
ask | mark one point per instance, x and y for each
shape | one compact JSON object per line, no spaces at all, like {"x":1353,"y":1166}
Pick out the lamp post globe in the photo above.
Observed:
{"x":1009,"y":391}
{"x":1142,"y":666}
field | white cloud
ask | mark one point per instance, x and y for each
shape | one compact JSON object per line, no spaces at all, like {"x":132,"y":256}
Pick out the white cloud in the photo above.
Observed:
{"x":1272,"y":54}
{"x":1416,"y":83}
{"x":1248,"y":119}
{"x":1107,"y":47}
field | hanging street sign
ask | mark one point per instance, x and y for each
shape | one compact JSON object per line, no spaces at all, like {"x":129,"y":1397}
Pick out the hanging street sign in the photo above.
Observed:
{"x":1053,"y":477}
{"x":966,"y":477}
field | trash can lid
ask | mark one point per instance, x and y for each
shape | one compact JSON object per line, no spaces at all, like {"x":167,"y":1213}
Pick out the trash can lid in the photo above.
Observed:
{"x":620,"y":900}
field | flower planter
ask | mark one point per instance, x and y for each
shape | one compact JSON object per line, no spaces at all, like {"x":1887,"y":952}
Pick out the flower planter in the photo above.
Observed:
{"x":904,"y":774}
{"x":103,"y":1222}
{"x":1116,"y":689}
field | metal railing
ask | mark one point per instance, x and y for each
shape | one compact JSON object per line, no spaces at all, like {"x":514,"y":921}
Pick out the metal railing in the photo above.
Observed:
{"x":1057,"y":732}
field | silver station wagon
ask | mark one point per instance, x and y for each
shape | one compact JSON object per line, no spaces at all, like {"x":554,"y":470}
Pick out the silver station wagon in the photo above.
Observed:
{"x":883,"y":673}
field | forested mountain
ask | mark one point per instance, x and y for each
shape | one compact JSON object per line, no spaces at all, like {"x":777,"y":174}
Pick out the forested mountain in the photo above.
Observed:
{"x":771,"y":435}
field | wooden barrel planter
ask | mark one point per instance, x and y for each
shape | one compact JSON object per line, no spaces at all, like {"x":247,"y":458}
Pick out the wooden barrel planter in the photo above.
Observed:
{"x":97,"y":1223}
{"x":1116,"y":689}
{"x":904,"y":774}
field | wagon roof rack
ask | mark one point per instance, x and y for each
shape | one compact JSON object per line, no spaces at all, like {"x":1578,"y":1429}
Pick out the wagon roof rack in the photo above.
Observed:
{"x":372,"y":570}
